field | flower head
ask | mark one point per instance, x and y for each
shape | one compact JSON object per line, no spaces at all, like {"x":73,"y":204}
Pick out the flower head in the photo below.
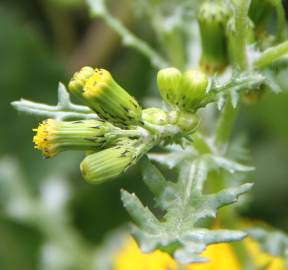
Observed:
{"x":98,"y":89}
{"x":109,"y":163}
{"x":53,"y":136}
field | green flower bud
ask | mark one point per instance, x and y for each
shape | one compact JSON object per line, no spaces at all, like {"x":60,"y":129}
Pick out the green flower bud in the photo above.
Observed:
{"x":212,"y":18}
{"x":169,"y":80}
{"x":188,"y":122}
{"x":55,"y":136}
{"x":100,"y":92}
{"x":109,"y":163}
{"x":193,"y":90}
{"x":155,"y":116}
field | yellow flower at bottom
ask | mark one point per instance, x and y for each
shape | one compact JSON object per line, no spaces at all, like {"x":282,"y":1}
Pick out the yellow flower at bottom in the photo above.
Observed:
{"x":131,"y":258}
{"x":262,"y":259}
{"x":221,"y":257}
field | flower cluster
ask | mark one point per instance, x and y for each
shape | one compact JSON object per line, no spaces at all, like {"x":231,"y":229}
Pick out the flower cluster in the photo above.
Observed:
{"x":122,"y":132}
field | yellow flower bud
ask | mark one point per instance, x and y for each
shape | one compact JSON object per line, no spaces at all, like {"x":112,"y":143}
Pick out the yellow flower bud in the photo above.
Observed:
{"x":100,"y":92}
{"x":53,"y":136}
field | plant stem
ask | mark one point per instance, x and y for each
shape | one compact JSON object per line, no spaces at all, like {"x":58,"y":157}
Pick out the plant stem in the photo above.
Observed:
{"x":129,"y":39}
{"x":270,"y":55}
{"x":57,"y":112}
{"x":241,"y":23}
{"x":228,"y":116}
{"x":225,"y":125}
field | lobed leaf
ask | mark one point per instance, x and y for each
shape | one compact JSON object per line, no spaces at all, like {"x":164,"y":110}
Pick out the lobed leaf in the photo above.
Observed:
{"x":185,"y":205}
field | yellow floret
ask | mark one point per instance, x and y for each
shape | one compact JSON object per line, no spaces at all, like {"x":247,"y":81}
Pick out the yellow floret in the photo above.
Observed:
{"x":42,"y":139}
{"x":261,"y":258}
{"x":97,"y":83}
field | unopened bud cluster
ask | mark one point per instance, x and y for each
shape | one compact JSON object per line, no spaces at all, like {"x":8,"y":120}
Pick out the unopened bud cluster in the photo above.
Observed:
{"x":183,"y":91}
{"x":123,"y":132}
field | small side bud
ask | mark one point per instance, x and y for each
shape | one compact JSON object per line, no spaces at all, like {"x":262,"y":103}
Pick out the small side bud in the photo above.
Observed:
{"x":101,"y":93}
{"x":212,"y":18}
{"x":192,"y":90}
{"x":188,"y":122}
{"x":53,"y":136}
{"x":169,"y":80}
{"x":109,"y":163}
{"x":155,"y":116}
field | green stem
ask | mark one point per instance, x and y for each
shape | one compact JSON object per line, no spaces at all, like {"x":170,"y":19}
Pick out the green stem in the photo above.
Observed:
{"x":229,"y":114}
{"x":270,"y":55}
{"x":138,"y":132}
{"x":241,"y":26}
{"x":225,"y":125}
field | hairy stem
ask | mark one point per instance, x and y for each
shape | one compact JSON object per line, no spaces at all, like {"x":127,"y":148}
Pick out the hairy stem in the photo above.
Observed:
{"x":225,"y":125}
{"x":228,"y":116}
{"x":270,"y":55}
{"x":241,"y":24}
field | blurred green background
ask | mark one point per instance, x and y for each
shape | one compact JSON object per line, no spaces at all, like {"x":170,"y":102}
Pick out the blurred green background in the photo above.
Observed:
{"x":44,"y":42}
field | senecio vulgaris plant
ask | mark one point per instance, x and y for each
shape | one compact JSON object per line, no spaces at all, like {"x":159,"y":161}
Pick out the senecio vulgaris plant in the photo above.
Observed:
{"x":240,"y":59}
